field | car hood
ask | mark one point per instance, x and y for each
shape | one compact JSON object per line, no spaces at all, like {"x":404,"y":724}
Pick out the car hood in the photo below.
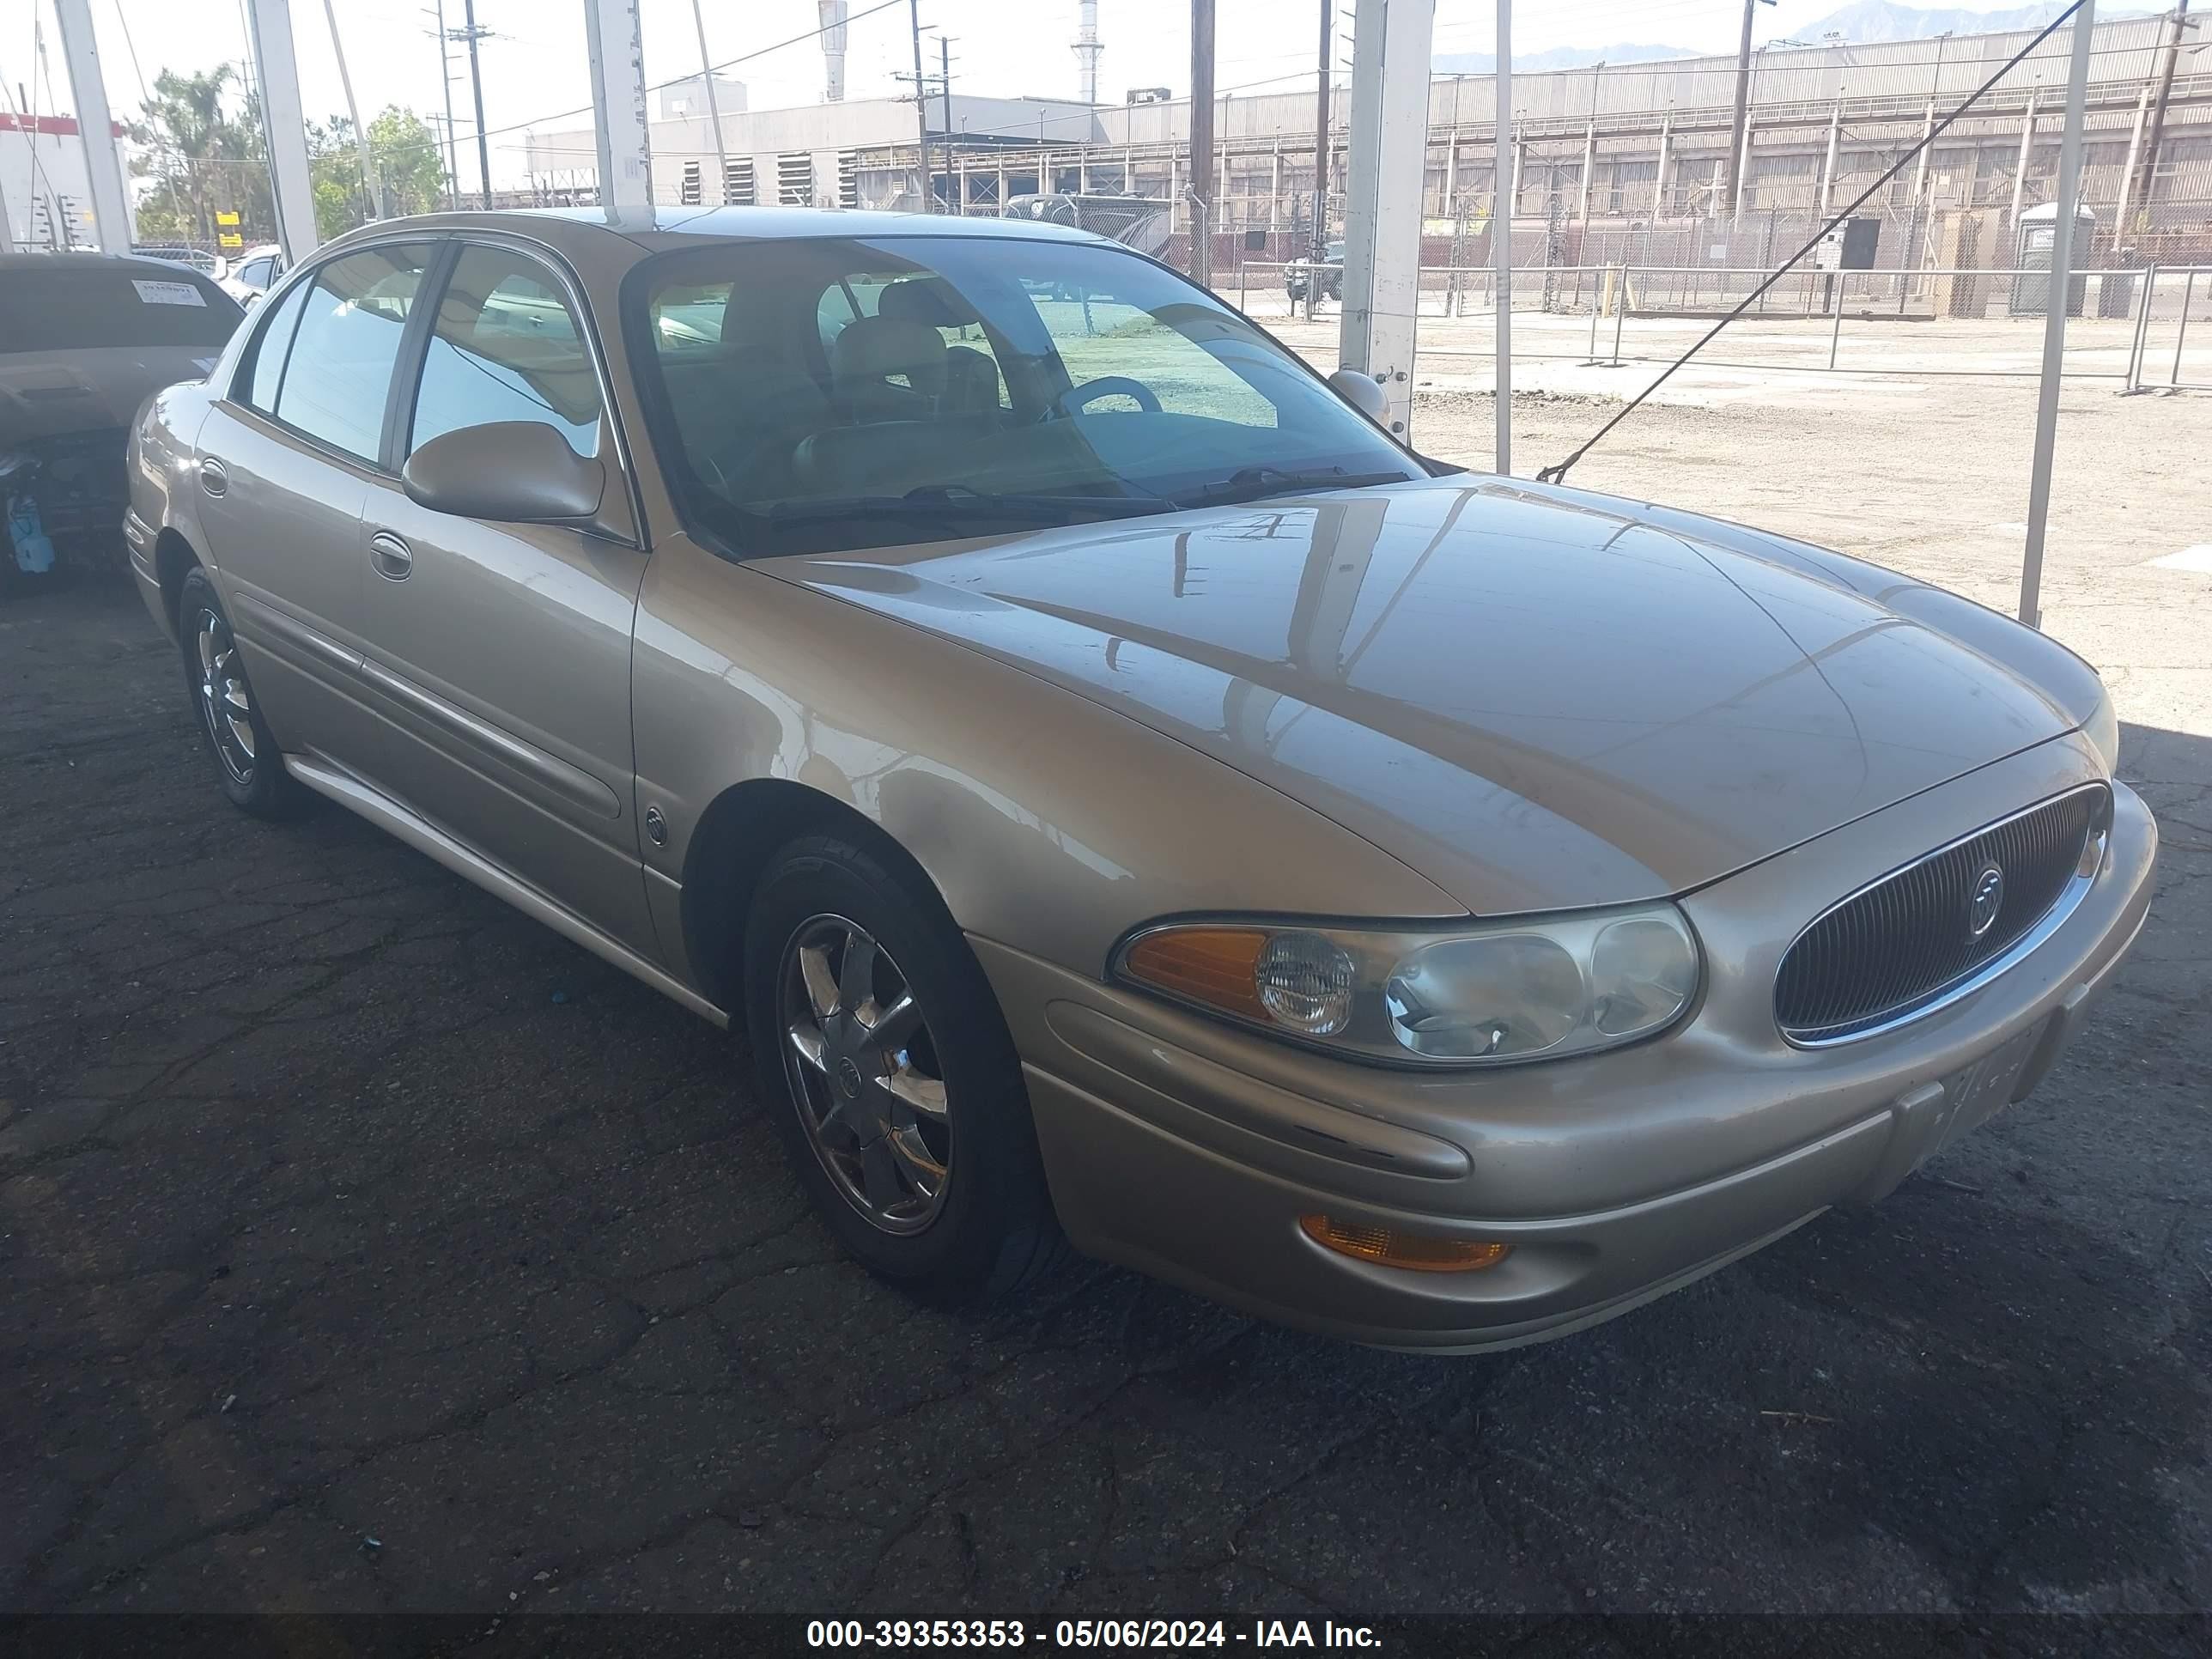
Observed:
{"x":1538,"y":699}
{"x":46,"y":394}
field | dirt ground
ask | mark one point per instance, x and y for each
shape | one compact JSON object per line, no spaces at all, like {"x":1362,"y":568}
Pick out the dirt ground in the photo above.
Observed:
{"x":1928,"y":475}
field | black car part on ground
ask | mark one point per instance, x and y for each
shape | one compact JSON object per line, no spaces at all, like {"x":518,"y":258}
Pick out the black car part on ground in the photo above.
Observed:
{"x":62,"y":502}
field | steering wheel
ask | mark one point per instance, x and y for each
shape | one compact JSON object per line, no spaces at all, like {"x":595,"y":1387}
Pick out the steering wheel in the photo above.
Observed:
{"x":1106,"y":386}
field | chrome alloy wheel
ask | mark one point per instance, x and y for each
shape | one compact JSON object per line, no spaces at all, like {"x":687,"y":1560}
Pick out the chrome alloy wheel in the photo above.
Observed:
{"x":225,"y":700}
{"x":863,"y":1073}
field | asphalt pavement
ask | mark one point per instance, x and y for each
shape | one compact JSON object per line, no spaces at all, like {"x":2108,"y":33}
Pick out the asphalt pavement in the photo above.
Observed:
{"x":367,"y":1247}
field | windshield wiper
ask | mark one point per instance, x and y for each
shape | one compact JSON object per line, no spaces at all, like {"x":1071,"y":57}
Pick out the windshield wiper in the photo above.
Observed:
{"x":1252,"y":483}
{"x":940,"y":503}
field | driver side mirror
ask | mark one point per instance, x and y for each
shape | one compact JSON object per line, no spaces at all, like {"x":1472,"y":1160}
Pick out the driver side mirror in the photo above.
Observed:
{"x":1364,"y":394}
{"x":509,"y":472}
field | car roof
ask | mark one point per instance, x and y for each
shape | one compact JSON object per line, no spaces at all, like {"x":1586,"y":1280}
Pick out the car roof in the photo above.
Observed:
{"x":658,"y":229}
{"x":74,"y":261}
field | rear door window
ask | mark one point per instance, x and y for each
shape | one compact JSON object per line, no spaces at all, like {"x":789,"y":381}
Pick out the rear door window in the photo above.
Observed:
{"x":338,"y":377}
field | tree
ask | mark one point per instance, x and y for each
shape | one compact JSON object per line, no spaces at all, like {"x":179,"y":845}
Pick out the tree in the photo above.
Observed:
{"x":405,"y":151}
{"x":202,"y":139}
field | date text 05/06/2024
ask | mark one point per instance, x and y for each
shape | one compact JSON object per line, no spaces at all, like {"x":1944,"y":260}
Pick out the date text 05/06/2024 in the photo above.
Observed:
{"x":1123,"y":1633}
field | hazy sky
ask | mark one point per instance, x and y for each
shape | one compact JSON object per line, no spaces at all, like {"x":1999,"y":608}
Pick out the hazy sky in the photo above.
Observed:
{"x":533,"y":64}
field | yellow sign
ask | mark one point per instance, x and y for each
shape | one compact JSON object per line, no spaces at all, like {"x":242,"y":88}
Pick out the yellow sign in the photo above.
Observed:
{"x":230,"y":239}
{"x":226,"y":218}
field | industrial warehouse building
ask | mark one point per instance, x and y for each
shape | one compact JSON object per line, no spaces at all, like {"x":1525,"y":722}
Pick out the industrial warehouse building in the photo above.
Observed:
{"x":1603,"y":152}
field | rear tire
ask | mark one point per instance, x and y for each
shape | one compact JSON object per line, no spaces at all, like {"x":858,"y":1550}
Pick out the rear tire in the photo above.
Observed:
{"x":247,"y":763}
{"x":880,"y":1050}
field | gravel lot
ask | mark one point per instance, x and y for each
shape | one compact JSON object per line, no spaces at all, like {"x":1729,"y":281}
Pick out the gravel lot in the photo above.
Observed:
{"x":369,"y":1247}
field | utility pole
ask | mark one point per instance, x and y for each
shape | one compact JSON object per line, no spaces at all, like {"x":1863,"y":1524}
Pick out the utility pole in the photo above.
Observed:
{"x":1742,"y":109}
{"x":369,"y":183}
{"x":920,"y":106}
{"x":2140,"y":191}
{"x":944,"y":86}
{"x":1320,"y":250}
{"x":1201,"y":142}
{"x":713,"y":108}
{"x":446,"y":86}
{"x":472,"y":34}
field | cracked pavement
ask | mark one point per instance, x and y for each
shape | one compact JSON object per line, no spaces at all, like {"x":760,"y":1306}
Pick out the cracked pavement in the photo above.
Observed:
{"x":369,"y":1247}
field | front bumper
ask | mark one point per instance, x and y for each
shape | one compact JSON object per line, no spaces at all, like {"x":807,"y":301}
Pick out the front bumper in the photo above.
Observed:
{"x":1188,"y":1149}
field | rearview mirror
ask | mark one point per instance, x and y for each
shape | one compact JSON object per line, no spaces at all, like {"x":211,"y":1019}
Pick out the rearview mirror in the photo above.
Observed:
{"x":509,"y":472}
{"x":1362,"y":392}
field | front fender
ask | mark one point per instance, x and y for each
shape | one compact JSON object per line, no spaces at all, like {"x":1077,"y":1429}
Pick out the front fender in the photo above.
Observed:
{"x":1045,"y":820}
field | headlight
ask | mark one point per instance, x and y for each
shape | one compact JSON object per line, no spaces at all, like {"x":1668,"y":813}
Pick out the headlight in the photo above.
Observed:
{"x":1485,"y":993}
{"x":2102,"y":728}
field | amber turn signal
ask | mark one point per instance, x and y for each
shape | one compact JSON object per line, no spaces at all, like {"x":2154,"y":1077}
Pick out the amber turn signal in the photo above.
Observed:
{"x":1421,"y":1252}
{"x":1215,"y":966}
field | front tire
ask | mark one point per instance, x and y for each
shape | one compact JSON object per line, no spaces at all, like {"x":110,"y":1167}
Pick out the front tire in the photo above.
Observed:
{"x":880,"y":1050}
{"x":246,"y":761}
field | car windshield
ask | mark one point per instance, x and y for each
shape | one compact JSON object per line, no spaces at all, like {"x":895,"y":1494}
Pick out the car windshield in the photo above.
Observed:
{"x":76,"y":307}
{"x":820,"y":391}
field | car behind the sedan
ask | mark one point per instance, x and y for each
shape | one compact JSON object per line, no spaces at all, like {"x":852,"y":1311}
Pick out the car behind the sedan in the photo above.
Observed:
{"x":85,"y":340}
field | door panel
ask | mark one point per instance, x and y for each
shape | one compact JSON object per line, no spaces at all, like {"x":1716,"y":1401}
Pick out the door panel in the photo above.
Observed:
{"x":284,"y":473}
{"x":501,"y":661}
{"x":282,"y":535}
{"x":499,"y":653}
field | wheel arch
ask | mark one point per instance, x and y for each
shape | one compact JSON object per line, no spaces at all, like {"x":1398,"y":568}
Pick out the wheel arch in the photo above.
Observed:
{"x":738,"y":832}
{"x":174,"y":558}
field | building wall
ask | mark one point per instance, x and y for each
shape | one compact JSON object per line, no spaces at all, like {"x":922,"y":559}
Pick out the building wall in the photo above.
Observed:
{"x":45,"y":182}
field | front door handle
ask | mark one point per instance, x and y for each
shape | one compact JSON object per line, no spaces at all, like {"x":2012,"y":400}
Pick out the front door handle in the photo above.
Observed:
{"x":391,"y":556}
{"x":214,"y":478}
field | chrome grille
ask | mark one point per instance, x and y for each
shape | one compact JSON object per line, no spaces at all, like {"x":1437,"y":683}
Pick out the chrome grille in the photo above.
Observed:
{"x":1903,"y":944}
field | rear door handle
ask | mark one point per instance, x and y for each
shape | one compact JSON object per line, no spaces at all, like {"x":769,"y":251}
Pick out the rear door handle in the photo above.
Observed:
{"x":391,"y":556}
{"x":214,"y":478}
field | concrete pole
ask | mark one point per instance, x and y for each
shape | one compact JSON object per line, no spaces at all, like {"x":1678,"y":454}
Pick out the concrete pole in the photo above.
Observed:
{"x":1507,"y":161}
{"x":1665,"y":156}
{"x":2019,"y":169}
{"x":2128,"y":172}
{"x":1382,"y":197}
{"x":1828,"y":169}
{"x":2054,"y":316}
{"x":2142,"y":192}
{"x":111,"y":205}
{"x":284,"y":125}
{"x":1739,"y":131}
{"x":1740,"y":166}
{"x":714,"y":109}
{"x":1589,"y":154}
{"x":1324,"y":79}
{"x":371,"y":185}
{"x":621,"y":119}
{"x":1201,"y":141}
{"x":921,"y":110}
{"x":1275,"y":188}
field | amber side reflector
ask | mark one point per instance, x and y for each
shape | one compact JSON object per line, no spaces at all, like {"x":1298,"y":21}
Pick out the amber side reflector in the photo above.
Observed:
{"x":1421,"y":1252}
{"x":1211,"y":965}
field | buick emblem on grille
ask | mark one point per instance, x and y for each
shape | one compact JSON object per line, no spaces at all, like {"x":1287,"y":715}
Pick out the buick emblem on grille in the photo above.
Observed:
{"x":1988,"y":899}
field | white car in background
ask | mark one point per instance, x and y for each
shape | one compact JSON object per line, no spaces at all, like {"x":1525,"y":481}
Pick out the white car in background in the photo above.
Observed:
{"x":254,"y":273}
